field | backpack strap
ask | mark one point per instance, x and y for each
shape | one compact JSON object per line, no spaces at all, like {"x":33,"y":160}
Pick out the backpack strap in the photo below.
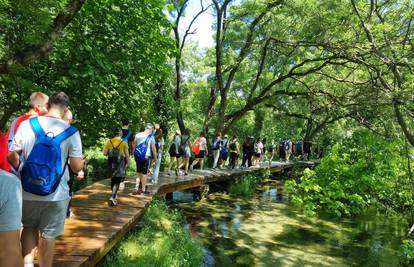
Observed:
{"x":66,"y":134}
{"x":37,"y":129}
{"x":120,"y":143}
{"x":112,"y":144}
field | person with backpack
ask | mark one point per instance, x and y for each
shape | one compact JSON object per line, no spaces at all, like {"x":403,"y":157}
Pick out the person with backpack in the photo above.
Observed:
{"x":159,"y":145}
{"x":37,"y":107}
{"x":262,"y":158}
{"x":174,"y":152}
{"x":224,"y":150}
{"x":258,"y":151}
{"x":144,"y":144}
{"x":200,"y":150}
{"x":281,"y":150}
{"x":271,"y":151}
{"x":248,"y":151}
{"x":287,"y":147}
{"x":185,"y":151}
{"x":127,"y":135}
{"x":217,"y":142}
{"x":68,"y":118}
{"x":234,"y":149}
{"x":118,"y":158}
{"x":299,"y":149}
{"x":45,"y":143}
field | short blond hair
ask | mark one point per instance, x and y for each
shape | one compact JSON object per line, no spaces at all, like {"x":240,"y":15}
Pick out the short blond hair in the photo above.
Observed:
{"x":38,"y":99}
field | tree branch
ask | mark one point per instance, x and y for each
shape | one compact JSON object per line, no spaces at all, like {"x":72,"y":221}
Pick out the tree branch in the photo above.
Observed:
{"x":32,"y":53}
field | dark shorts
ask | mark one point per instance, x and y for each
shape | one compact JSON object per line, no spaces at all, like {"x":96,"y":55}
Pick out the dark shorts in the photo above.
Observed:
{"x":201,"y":155}
{"x":257,"y":155}
{"x":116,"y":180}
{"x":142,"y":165}
{"x":174,"y":155}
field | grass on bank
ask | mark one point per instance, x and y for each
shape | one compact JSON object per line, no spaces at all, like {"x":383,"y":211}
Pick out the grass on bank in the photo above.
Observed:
{"x":244,"y":186}
{"x":161,"y":241}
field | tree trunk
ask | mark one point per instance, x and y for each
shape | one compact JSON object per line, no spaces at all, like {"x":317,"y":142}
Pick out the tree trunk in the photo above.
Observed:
{"x":402,"y":123}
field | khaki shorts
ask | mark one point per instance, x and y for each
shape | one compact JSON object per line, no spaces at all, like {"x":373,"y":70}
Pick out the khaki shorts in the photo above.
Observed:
{"x":46,"y":216}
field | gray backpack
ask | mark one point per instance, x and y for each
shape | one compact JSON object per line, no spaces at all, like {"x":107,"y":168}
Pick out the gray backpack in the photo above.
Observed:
{"x":116,"y":162}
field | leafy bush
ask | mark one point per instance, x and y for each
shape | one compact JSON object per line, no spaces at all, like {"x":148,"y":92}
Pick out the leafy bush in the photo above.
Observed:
{"x":407,"y":253}
{"x":162,"y":241}
{"x":359,"y":171}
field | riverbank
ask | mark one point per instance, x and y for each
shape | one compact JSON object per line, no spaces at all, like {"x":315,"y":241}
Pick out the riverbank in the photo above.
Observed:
{"x":159,"y":240}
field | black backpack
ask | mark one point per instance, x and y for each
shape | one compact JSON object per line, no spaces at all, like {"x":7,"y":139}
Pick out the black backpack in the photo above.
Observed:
{"x":183,"y":144}
{"x":116,"y":162}
{"x":232,"y":146}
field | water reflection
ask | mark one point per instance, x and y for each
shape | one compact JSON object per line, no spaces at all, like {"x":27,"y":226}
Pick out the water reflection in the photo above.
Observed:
{"x":266,"y":231}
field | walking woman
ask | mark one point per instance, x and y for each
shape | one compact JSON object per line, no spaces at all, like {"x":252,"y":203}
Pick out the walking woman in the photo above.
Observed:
{"x":234,"y":148}
{"x":185,"y":151}
{"x":258,"y":151}
{"x":200,"y":150}
{"x":174,"y":153}
{"x":159,"y":145}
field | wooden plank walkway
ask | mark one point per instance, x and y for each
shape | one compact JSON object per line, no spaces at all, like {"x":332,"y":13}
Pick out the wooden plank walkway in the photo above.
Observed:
{"x":95,"y":227}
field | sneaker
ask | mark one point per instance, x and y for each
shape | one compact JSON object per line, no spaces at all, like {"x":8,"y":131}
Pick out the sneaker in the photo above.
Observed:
{"x":145,"y":192}
{"x":112,"y":202}
{"x":186,"y":173}
{"x":137,"y":191}
{"x":121,"y":185}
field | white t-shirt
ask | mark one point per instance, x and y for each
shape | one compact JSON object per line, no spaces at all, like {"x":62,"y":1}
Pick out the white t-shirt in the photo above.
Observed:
{"x":203,"y":143}
{"x":140,"y":138}
{"x":72,"y":147}
{"x":258,"y":148}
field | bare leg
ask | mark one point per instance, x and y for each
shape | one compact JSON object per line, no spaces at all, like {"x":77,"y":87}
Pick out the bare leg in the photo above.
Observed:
{"x":194,"y":163}
{"x":29,"y":241}
{"x":143,"y":181}
{"x":187,"y":163}
{"x":137,"y":180}
{"x":10,"y":252}
{"x":170,"y":165}
{"x":46,"y":251}
{"x":202,"y":164}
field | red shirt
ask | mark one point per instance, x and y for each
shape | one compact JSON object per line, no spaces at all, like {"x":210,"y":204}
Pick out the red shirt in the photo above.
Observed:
{"x":6,"y":139}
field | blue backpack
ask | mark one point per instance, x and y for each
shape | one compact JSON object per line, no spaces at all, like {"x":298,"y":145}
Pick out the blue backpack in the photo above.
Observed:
{"x":140,"y":151}
{"x":216,"y":144}
{"x":125,"y":139}
{"x":224,"y":149}
{"x":42,"y":171}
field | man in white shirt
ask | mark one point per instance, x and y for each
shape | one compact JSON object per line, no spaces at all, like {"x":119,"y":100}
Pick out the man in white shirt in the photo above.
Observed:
{"x":45,"y":215}
{"x":144,"y":139}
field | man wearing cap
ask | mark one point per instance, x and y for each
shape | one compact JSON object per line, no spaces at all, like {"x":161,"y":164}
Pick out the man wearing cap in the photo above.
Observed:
{"x":144,"y":139}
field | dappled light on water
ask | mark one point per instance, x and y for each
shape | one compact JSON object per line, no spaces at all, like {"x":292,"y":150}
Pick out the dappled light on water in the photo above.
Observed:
{"x":266,"y":231}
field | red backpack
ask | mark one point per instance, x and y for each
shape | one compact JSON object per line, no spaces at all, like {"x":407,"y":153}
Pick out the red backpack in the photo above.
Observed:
{"x":196,"y":147}
{"x":4,"y":164}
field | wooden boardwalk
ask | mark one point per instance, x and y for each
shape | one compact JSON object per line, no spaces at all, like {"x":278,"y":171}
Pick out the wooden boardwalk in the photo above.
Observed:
{"x":95,"y":227}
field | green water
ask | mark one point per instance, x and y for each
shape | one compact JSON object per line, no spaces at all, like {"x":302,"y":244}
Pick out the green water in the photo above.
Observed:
{"x":267,"y":231}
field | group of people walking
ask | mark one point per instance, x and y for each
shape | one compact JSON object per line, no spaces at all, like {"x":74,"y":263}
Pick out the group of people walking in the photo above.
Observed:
{"x":41,"y":155}
{"x":227,"y":151}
